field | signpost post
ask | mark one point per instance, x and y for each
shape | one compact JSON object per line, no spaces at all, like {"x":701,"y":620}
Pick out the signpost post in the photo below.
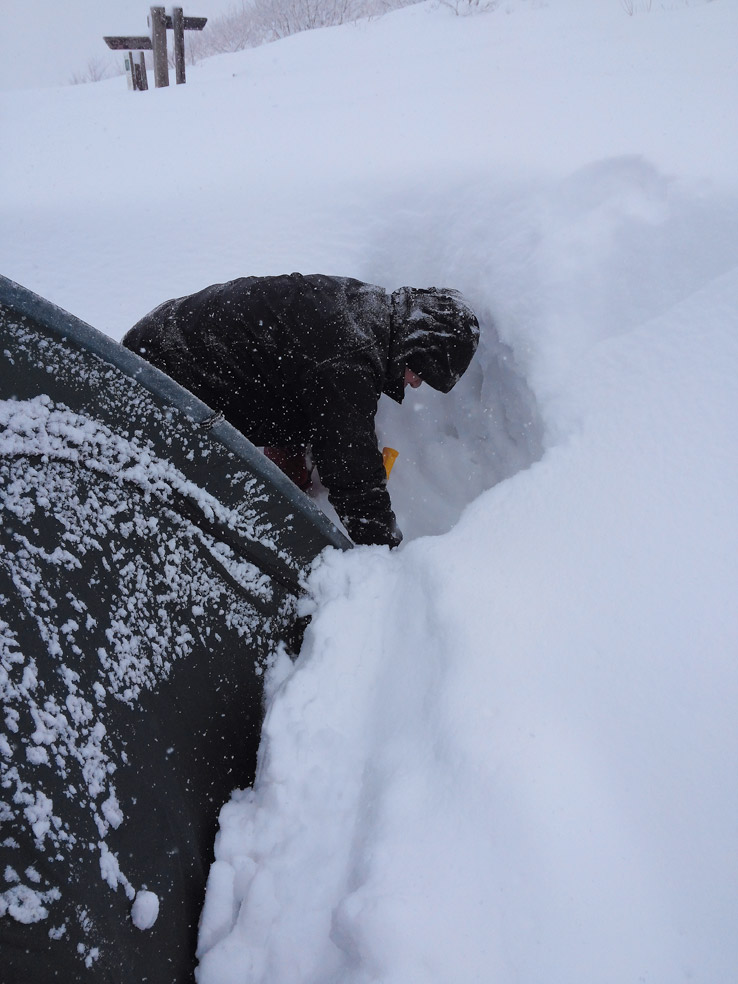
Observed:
{"x":158,"y":25}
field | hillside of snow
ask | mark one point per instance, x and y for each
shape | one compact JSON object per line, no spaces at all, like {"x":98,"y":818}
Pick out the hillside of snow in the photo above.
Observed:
{"x":507,"y":751}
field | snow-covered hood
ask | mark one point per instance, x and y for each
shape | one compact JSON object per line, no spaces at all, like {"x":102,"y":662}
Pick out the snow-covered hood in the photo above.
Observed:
{"x":435,"y":333}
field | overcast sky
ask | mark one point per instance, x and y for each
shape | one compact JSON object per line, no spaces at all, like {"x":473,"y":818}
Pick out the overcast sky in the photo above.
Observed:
{"x":46,"y":42}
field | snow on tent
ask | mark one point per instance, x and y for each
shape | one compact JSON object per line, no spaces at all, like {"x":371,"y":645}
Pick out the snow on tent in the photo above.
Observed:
{"x":150,"y":561}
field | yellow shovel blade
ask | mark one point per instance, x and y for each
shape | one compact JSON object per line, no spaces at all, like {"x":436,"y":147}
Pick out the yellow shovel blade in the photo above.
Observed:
{"x":389,"y":456}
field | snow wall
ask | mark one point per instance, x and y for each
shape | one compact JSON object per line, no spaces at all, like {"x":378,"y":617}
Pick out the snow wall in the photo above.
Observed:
{"x":150,"y":561}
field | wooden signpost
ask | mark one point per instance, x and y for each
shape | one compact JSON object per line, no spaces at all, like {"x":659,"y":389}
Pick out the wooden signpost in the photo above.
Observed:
{"x":159,"y":22}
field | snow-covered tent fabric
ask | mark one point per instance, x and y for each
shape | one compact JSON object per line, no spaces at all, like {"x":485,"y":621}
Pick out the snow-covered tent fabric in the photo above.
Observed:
{"x":150,"y":560}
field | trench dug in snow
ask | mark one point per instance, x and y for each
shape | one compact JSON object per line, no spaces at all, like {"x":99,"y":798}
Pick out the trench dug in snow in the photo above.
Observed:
{"x":552,"y":270}
{"x":454,"y":446}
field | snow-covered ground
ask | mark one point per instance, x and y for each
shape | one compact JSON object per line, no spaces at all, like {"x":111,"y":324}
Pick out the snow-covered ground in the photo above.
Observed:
{"x":508,"y":751}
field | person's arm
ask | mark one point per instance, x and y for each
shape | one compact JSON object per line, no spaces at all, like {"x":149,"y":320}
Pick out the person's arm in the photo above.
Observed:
{"x":344,"y":444}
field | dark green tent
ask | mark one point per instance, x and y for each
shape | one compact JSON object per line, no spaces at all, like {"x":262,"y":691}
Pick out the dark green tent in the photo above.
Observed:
{"x":150,"y":562}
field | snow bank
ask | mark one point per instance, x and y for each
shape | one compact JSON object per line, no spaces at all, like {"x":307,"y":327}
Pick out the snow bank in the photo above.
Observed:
{"x":510,"y":753}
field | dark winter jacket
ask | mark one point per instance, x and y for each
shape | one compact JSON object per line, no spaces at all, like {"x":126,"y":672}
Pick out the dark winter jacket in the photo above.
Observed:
{"x":303,"y":360}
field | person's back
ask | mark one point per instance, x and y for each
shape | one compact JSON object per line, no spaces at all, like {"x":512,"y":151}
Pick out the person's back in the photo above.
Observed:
{"x":247,"y":347}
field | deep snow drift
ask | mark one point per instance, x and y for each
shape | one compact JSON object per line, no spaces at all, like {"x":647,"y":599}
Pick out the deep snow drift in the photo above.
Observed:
{"x":508,"y":752}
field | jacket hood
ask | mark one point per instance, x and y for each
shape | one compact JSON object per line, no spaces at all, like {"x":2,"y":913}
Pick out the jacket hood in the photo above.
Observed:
{"x":435,"y":333}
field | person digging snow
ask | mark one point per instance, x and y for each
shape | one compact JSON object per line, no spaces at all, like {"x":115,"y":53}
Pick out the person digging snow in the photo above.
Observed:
{"x":299,"y":362}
